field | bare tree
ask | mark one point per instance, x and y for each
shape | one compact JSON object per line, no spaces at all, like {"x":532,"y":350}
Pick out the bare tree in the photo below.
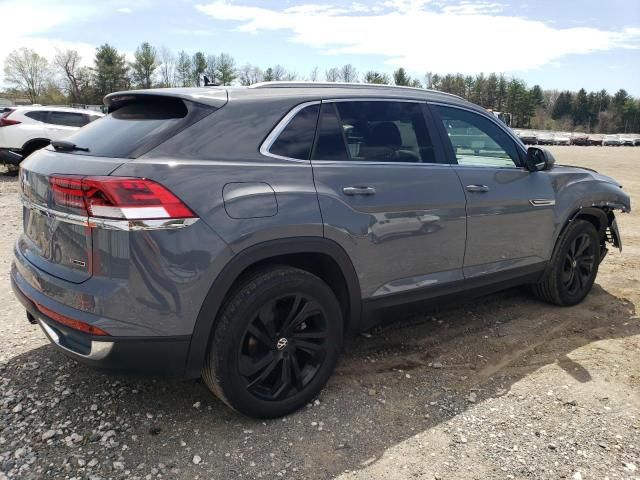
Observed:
{"x":314,"y":75}
{"x":28,"y":71}
{"x":279,"y":73}
{"x":349,"y":74}
{"x":250,"y":74}
{"x":167,"y":67}
{"x":68,"y":63}
{"x":332,"y":75}
{"x":212,"y":68}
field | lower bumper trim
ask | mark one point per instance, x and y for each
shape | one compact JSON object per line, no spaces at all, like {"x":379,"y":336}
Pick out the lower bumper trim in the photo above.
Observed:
{"x":99,"y":350}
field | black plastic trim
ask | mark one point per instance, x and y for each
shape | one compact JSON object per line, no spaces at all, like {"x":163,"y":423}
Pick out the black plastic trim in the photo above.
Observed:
{"x":247,"y":258}
{"x":453,"y":291}
{"x":164,"y":356}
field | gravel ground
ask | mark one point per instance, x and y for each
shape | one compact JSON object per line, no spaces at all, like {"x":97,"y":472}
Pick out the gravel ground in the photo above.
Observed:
{"x":502,"y":387}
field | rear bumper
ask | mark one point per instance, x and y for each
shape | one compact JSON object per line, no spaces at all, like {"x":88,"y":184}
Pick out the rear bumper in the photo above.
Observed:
{"x":164,"y":356}
{"x":10,"y":157}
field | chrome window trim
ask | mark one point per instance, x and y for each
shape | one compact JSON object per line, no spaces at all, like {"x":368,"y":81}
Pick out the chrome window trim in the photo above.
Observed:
{"x":373,"y":99}
{"x":277,"y":130}
{"x":108,"y":223}
{"x":502,"y":126}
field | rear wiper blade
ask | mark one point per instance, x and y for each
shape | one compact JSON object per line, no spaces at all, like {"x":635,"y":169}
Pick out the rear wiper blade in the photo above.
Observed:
{"x":67,"y":146}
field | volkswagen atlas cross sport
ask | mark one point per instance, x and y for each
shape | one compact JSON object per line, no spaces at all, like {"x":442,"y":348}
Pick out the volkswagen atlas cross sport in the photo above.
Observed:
{"x":239,"y":234}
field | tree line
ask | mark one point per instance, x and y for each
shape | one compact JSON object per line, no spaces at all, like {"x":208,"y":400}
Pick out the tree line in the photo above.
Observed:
{"x":63,"y":79}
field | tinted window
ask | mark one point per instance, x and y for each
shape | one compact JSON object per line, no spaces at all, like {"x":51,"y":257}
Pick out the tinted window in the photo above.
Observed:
{"x":476,"y":140}
{"x":38,"y":115}
{"x":136,"y":127}
{"x":296,"y":139}
{"x":374,"y":131}
{"x":331,"y":144}
{"x":67,"y":119}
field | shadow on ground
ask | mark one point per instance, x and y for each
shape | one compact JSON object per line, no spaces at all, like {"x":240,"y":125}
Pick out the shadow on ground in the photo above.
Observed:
{"x":381,"y":394}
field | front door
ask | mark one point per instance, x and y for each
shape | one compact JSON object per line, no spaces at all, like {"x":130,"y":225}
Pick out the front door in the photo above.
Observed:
{"x":510,"y":211}
{"x":387,"y":195}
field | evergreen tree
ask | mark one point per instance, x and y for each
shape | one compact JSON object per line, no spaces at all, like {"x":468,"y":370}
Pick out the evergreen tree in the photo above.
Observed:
{"x":144,"y":65}
{"x":110,"y":71}
{"x":198,"y":68}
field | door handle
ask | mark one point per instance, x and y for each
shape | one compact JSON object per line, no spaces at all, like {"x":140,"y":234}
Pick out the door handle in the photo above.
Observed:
{"x":477,"y":188}
{"x":359,"y":191}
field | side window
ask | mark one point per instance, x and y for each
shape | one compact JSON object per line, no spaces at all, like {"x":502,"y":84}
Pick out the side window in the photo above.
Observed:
{"x":38,"y":115}
{"x":379,"y":131}
{"x":296,"y":140}
{"x":476,"y":140}
{"x":68,"y":119}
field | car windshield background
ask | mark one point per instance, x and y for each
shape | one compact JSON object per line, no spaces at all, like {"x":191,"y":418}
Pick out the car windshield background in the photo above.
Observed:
{"x":379,"y":131}
{"x":137,"y":127}
{"x":476,"y":140}
{"x":296,"y":140}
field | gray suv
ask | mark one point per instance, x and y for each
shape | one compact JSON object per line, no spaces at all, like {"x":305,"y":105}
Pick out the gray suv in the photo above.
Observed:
{"x":239,"y":234}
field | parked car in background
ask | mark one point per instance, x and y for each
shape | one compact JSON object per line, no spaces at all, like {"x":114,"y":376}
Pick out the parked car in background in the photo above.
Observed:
{"x":581,"y":139}
{"x":528,"y":137}
{"x":562,"y":139}
{"x":24,"y":130}
{"x":545,"y":138}
{"x":595,"y":140}
{"x":245,"y":256}
{"x":611,"y":141}
{"x":627,"y":140}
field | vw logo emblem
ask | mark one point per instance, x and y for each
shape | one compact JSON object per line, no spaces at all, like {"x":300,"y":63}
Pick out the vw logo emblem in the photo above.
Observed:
{"x":282,"y":344}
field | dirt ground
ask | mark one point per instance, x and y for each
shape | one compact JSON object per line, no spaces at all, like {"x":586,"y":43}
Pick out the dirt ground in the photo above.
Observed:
{"x":504,"y":387}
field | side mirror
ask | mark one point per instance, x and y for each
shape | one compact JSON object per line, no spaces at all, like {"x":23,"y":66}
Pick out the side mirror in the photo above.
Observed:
{"x":539,"y":159}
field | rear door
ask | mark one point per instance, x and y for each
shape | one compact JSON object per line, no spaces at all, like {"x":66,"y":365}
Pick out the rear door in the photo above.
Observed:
{"x":387,"y":195}
{"x":510,"y":210}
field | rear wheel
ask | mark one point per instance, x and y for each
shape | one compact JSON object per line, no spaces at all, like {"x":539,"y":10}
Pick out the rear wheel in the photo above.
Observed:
{"x":573,"y":267}
{"x":275,"y":344}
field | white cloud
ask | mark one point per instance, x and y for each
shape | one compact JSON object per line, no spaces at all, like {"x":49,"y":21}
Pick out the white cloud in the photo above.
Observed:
{"x":467,"y":37}
{"x":124,"y":10}
{"x":26,"y":24}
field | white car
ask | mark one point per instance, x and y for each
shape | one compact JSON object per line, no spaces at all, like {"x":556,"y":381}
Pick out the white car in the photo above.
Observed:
{"x":26,"y":129}
{"x":611,"y":140}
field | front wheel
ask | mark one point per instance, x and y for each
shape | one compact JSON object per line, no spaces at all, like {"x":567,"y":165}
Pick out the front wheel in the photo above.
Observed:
{"x":573,"y":266}
{"x":275,"y":344}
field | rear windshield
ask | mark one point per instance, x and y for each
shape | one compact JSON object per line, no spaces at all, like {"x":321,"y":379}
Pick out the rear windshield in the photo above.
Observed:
{"x":136,"y":127}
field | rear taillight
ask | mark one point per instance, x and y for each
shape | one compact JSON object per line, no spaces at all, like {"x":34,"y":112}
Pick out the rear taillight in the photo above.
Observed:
{"x":5,"y":121}
{"x":122,"y":198}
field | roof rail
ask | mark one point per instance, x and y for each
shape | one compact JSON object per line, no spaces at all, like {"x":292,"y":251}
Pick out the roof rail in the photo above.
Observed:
{"x":304,"y":84}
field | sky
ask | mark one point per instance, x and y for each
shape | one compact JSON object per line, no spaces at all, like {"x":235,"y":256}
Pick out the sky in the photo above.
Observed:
{"x":557,"y":44}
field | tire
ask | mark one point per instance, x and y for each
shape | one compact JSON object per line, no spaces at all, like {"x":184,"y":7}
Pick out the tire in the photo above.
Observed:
{"x":275,"y":343}
{"x":573,"y":266}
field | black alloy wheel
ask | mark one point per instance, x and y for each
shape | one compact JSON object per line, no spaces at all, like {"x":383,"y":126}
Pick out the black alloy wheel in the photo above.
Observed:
{"x":283,"y":347}
{"x":578,"y":264}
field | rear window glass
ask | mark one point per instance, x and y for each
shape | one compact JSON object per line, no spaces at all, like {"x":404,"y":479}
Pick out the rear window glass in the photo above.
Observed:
{"x":296,"y":139}
{"x":136,"y":127}
{"x":68,"y":119}
{"x":38,"y":115}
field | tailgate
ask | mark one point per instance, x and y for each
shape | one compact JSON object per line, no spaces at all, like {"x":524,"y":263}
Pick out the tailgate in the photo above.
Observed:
{"x":56,"y":239}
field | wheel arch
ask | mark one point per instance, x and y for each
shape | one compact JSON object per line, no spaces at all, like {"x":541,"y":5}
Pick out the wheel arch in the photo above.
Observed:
{"x":320,"y":256}
{"x":595,"y":215}
{"x":38,"y":143}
